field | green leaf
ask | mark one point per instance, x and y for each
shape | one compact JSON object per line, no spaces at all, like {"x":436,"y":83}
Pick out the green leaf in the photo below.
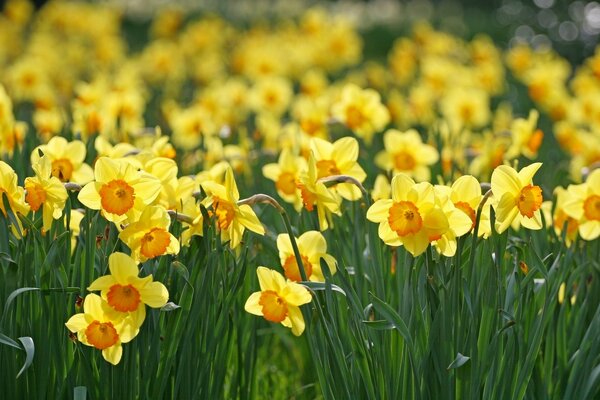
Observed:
{"x":458,"y":362}
{"x":380,"y":325}
{"x":392,"y":317}
{"x":13,"y":295}
{"x":7,"y":258}
{"x":29,"y":350}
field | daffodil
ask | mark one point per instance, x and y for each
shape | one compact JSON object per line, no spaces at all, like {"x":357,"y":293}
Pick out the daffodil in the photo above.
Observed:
{"x":406,"y":153}
{"x":312,"y":247}
{"x":232,"y":219}
{"x":14,"y":193}
{"x":361,"y":111}
{"x":411,"y":217}
{"x":559,"y":218}
{"x":315,"y":194}
{"x":102,"y":327}
{"x":279,"y":300}
{"x":285,"y":173}
{"x":518,"y":201}
{"x":67,"y":159}
{"x":339,"y":158}
{"x":584,"y":205}
{"x":195,"y":227}
{"x":526,"y":139}
{"x":46,"y":192}
{"x":119,"y":191}
{"x":127,"y":293}
{"x":149,"y":236}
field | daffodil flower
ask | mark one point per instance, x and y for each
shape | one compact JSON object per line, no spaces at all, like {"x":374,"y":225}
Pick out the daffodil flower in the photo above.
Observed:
{"x":232,"y":218}
{"x":410,"y":218}
{"x":46,"y":192}
{"x":13,"y":192}
{"x":312,"y":247}
{"x":279,"y":300}
{"x":67,"y":159}
{"x":101,"y":327}
{"x":285,"y":173}
{"x":125,"y":292}
{"x":584,"y":205}
{"x":149,"y":236}
{"x":518,"y":200}
{"x":119,"y":191}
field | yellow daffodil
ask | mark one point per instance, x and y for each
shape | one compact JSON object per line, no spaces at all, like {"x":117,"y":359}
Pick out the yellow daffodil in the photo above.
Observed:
{"x":465,"y":195}
{"x":584,"y":206}
{"x":559,"y":218}
{"x":315,"y":194}
{"x":410,"y":218}
{"x":279,"y":300}
{"x":46,"y":192}
{"x":67,"y":159}
{"x":232,"y":218}
{"x":526,"y":139}
{"x":312,"y":247}
{"x":126,"y":293}
{"x":361,"y":111}
{"x":101,"y":327}
{"x":119,"y":191}
{"x":406,"y":153}
{"x":518,"y":201}
{"x":339,"y":158}
{"x":285,"y":173}
{"x":14,"y":193}
{"x":195,"y":228}
{"x":149,"y":236}
{"x":460,"y":220}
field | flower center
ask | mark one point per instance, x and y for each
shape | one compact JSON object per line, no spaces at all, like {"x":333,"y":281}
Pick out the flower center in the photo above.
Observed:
{"x":466,"y":113}
{"x":310,"y":126}
{"x":62,"y":169}
{"x":155,"y":242}
{"x":224,"y":212}
{"x":274,"y":307}
{"x":467,"y":209}
{"x":326,"y":168}
{"x":123,"y":298}
{"x":591,"y":208}
{"x":529,"y":200}
{"x":286,"y":183}
{"x":354,"y":117}
{"x":117,"y":197}
{"x":292,"y":271}
{"x":404,"y":161}
{"x":308,"y":198}
{"x":101,"y":335}
{"x":36,"y":195}
{"x":404,"y":218}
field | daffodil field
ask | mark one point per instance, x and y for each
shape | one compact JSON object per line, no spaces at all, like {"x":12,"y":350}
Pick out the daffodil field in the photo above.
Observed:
{"x":195,"y":207}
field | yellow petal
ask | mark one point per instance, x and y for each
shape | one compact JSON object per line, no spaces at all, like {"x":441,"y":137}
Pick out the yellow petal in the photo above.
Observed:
{"x":269,"y":279}
{"x":505,"y":180}
{"x":248,"y":218}
{"x":122,"y":267}
{"x":89,"y":196}
{"x":102,"y":283}
{"x":311,"y":242}
{"x":77,"y":323}
{"x":252,"y":306}
{"x":154,"y":294}
{"x":113,"y":354}
{"x":526,"y":174}
{"x":295,"y":294}
{"x":297,"y":320}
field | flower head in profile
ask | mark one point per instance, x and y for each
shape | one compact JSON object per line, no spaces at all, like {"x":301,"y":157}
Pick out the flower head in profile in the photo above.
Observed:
{"x":279,"y":300}
{"x":312,"y":247}
{"x":67,"y":159}
{"x":315,"y":194}
{"x":101,"y":327}
{"x":149,"y":236}
{"x":119,"y":191}
{"x":584,"y":206}
{"x":232,"y":219}
{"x":560,"y":219}
{"x":518,"y":200}
{"x":125,"y":292}
{"x":411,"y":217}
{"x":45,"y":192}
{"x":13,"y":192}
